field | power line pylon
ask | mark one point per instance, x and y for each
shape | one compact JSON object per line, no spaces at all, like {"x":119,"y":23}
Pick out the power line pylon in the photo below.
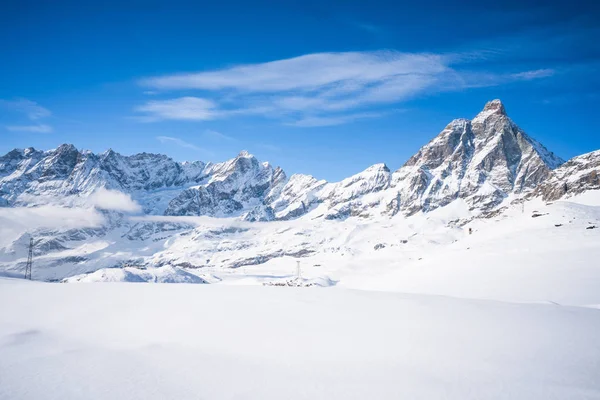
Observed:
{"x":29,"y":264}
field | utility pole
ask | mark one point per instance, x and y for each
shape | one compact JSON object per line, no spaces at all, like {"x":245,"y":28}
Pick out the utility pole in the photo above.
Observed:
{"x":298,"y":271}
{"x":29,"y":264}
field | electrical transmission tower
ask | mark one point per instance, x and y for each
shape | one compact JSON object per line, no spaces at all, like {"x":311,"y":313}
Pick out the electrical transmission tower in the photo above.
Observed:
{"x":29,"y":260}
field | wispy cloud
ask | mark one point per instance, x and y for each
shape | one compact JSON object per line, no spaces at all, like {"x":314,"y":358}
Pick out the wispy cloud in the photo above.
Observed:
{"x":31,"y":109}
{"x":183,"y":108}
{"x":307,"y":72}
{"x":218,"y":136}
{"x":321,"y":89}
{"x":368,"y":27}
{"x":40,"y":128}
{"x":178,"y":142}
{"x":309,"y":122}
{"x":538,"y":73}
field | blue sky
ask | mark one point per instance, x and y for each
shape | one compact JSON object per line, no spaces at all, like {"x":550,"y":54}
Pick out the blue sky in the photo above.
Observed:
{"x":325,"y":88}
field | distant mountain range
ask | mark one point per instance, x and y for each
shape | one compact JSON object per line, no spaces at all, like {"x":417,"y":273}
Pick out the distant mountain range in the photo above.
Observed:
{"x":486,"y":162}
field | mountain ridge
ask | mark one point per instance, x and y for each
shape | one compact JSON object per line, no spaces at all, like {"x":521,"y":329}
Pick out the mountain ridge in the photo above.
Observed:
{"x":244,"y":212}
{"x":482,"y":161}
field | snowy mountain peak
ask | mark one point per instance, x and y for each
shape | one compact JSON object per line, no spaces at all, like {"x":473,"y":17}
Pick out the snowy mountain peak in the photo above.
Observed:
{"x":28,"y":151}
{"x":377,"y":168}
{"x":493,"y":113}
{"x":66,"y":148}
{"x":475,"y":167}
{"x":495,"y":106}
{"x":481,"y":161}
{"x":245,"y":154}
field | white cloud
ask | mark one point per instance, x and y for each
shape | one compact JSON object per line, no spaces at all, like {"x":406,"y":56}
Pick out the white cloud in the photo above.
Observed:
{"x":307,"y":72}
{"x":218,"y":136}
{"x":112,"y":200}
{"x":315,"y":89}
{"x":309,"y":122}
{"x":183,"y":108}
{"x":535,"y":74}
{"x":32,"y":111}
{"x":30,"y":108}
{"x":177,"y":141}
{"x":39,"y":128}
{"x":15,"y":221}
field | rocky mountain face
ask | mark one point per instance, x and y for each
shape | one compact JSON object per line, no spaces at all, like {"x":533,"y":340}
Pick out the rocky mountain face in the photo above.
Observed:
{"x":163,"y":186}
{"x":579,"y":174}
{"x":233,"y":187}
{"x":29,"y":177}
{"x":481,"y":161}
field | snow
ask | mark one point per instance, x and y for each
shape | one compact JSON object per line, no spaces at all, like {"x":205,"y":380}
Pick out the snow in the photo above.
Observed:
{"x":387,"y":305}
{"x":164,"y":274}
{"x":589,"y":198}
{"x":517,"y":258}
{"x":453,"y":165}
{"x":509,"y":257}
{"x":113,"y":341}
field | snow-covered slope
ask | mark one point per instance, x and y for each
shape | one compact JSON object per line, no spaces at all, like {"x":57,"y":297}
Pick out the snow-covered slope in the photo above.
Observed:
{"x":127,"y":341}
{"x":244,"y":212}
{"x":483,"y":212}
{"x":164,"y":274}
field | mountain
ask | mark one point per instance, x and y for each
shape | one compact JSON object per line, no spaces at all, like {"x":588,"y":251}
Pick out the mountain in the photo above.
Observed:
{"x":472,"y":169}
{"x":482,"y":161}
{"x":579,"y":174}
{"x":30,"y":177}
{"x":229,"y":188}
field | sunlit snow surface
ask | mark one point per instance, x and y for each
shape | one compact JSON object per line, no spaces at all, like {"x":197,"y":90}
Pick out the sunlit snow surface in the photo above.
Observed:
{"x":511,"y":256}
{"x":140,"y":341}
{"x":511,"y":311}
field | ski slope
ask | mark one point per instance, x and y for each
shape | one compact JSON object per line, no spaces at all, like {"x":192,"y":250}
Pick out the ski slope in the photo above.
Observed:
{"x":141,"y":341}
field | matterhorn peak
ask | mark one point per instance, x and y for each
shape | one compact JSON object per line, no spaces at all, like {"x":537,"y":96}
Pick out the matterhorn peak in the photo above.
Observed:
{"x":496,"y":106}
{"x":494,"y":109}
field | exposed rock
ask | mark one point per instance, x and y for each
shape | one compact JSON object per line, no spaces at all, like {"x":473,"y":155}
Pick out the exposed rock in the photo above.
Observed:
{"x":577,"y":175}
{"x":480,"y":161}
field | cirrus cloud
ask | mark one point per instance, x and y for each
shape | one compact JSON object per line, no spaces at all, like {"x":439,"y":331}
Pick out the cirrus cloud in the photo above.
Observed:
{"x":320,"y":89}
{"x":32,"y":110}
{"x":39,"y":128}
